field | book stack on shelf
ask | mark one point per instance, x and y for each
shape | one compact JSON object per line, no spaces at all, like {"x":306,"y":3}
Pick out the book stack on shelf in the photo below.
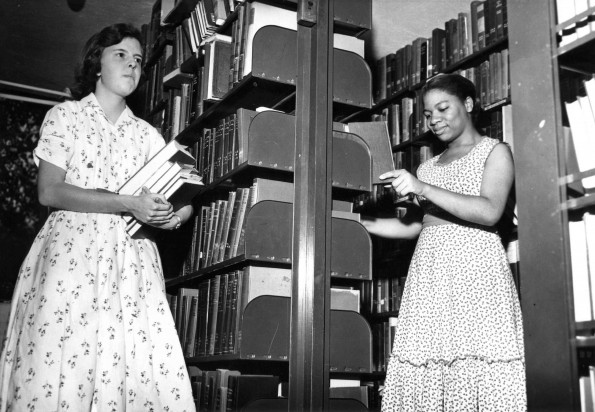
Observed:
{"x":170,"y":172}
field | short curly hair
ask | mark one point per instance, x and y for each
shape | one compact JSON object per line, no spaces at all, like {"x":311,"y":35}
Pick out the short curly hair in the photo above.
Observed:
{"x":90,"y":64}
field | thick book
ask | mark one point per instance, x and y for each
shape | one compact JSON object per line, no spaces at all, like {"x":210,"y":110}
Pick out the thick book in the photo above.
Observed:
{"x":243,"y":389}
{"x":222,"y":385}
{"x":582,"y":123}
{"x":191,"y":329}
{"x":224,"y":241}
{"x":213,"y":312}
{"x":581,"y":276}
{"x":217,"y":52}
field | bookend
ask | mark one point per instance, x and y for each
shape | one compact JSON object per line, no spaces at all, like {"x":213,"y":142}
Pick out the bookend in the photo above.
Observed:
{"x":271,"y":144}
{"x":264,"y":330}
{"x":352,"y":77}
{"x":351,"y":250}
{"x":352,"y":162}
{"x":268,"y":237}
{"x":268,"y":232}
{"x":350,"y":342}
{"x":264,"y":335}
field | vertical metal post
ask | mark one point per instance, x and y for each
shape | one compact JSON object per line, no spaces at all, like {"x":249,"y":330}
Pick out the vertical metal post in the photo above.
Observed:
{"x":310,"y":313}
{"x":552,"y":378}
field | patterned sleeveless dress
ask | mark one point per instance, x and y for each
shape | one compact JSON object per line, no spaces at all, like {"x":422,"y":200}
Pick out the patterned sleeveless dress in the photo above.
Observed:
{"x":459,"y":337}
{"x":90,"y":328}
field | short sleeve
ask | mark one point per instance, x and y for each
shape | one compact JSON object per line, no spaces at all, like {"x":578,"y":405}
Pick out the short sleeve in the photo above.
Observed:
{"x":156,"y":141}
{"x":56,"y":139}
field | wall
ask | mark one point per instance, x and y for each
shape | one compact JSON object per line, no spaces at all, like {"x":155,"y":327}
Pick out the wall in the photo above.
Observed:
{"x":41,"y":40}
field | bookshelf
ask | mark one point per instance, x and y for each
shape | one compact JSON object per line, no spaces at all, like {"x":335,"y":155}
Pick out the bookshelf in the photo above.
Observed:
{"x":296,"y":332}
{"x":543,"y":195}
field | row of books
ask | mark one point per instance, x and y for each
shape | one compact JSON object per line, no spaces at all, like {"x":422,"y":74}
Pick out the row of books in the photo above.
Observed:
{"x":223,"y":390}
{"x":383,"y":294}
{"x":471,"y":32}
{"x":224,"y":147}
{"x":183,"y":95}
{"x":568,"y":9}
{"x":207,"y":17}
{"x":383,"y":336}
{"x":580,"y":139}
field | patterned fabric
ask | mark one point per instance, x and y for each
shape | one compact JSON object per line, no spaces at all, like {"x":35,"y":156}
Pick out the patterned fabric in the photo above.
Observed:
{"x":459,"y":337}
{"x":90,"y":328}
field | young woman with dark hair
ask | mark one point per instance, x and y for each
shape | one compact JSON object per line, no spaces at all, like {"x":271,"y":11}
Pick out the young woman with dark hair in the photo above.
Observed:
{"x":90,"y":328}
{"x":459,"y":338}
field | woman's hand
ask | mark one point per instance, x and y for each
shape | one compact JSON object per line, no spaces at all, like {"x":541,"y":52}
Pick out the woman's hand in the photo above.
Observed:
{"x":152,"y":208}
{"x":404,"y":182}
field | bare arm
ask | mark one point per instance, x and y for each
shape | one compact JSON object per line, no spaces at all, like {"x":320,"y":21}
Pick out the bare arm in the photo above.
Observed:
{"x":53,"y":191}
{"x":485,"y":209}
{"x":392,"y":228}
{"x":408,"y":226}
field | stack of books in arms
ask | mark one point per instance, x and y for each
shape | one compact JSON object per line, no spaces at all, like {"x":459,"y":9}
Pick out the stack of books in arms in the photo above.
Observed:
{"x":171,"y":172}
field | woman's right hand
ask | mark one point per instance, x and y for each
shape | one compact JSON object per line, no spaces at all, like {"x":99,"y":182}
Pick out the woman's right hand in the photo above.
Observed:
{"x":151,"y":208}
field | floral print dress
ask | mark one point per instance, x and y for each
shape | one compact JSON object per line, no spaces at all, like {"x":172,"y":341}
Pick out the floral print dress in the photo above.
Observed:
{"x":90,"y":328}
{"x":458,"y":345}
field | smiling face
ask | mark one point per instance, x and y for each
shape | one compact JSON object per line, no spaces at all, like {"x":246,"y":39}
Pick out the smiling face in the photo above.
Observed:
{"x":446,"y":115}
{"x":120,"y":68}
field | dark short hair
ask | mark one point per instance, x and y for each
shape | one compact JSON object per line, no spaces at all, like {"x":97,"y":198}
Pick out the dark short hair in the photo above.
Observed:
{"x":90,"y":64}
{"x":455,"y":85}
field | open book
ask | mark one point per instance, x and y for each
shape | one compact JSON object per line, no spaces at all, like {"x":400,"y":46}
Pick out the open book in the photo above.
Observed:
{"x":170,"y":172}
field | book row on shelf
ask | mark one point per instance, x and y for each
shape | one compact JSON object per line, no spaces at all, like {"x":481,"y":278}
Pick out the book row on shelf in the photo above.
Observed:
{"x":219,"y":227}
{"x":226,"y":390}
{"x":568,"y":10}
{"x":471,"y":32}
{"x":182,"y":82}
{"x":210,"y":317}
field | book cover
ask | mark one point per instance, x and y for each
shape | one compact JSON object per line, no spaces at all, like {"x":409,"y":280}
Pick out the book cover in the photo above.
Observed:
{"x":192,"y":324}
{"x":224,"y":241}
{"x":238,"y":223}
{"x":221,"y":306}
{"x":223,"y":205}
{"x":213,"y":312}
{"x":376,"y":136}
